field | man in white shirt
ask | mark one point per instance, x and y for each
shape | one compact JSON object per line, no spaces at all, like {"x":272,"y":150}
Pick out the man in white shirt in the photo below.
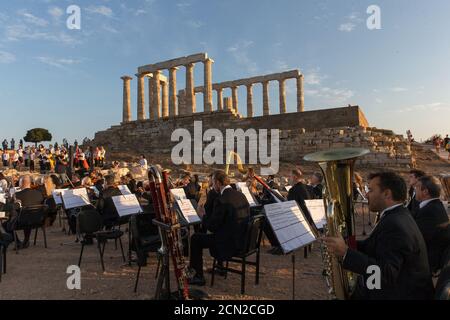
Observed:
{"x":143,"y":162}
{"x":5,"y":158}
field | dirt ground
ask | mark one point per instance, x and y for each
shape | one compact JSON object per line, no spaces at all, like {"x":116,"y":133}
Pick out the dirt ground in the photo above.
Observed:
{"x":39,"y":273}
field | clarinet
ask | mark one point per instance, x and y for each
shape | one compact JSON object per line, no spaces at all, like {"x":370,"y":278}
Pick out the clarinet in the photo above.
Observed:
{"x":166,"y":213}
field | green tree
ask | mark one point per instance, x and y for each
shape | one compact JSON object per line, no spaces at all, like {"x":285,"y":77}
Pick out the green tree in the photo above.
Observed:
{"x":37,"y":135}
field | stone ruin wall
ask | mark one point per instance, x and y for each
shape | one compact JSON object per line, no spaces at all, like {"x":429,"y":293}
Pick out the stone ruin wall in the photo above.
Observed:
{"x":300,"y":133}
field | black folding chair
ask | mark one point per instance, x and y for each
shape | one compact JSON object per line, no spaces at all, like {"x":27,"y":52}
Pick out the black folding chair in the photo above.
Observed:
{"x":145,"y":238}
{"x":89,"y":225}
{"x":31,"y":217}
{"x":3,"y":248}
{"x":251,"y":246}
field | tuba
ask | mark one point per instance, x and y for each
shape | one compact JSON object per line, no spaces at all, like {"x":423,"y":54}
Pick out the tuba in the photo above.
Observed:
{"x":337,"y":166}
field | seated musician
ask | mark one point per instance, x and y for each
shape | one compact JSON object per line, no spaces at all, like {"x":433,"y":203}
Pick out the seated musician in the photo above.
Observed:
{"x":299,"y":193}
{"x":226,"y":222}
{"x":271,"y":182}
{"x":432,"y":220}
{"x":315,"y":187}
{"x":27,"y":197}
{"x":52,"y":212}
{"x":395,"y":246}
{"x":192,"y":188}
{"x":105,"y":205}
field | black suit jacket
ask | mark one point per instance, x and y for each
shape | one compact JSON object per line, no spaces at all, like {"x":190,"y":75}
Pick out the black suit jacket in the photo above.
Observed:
{"x":106,"y":207}
{"x":299,"y":193}
{"x":30,"y":197}
{"x":228,"y":222}
{"x":413,"y":205}
{"x":397,"y":247}
{"x":432,"y":221}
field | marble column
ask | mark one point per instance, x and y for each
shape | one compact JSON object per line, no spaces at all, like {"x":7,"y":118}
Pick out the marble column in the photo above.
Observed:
{"x":227,"y":103}
{"x":156,"y":95}
{"x":207,"y":94}
{"x":165,"y":100}
{"x":141,"y":97}
{"x":173,"y":91}
{"x":150,"y":96}
{"x":234,"y":97}
{"x":126,"y":116}
{"x":266,"y":108}
{"x":190,"y":95}
{"x":249,"y":100}
{"x":300,"y":95}
{"x":282,"y":94}
{"x":219,"y":98}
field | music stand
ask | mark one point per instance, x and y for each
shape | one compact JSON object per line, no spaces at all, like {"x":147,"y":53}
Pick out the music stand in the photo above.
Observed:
{"x":291,"y":229}
{"x":127,"y":205}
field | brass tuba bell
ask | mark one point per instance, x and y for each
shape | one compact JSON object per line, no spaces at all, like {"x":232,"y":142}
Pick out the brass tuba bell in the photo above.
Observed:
{"x":337,"y":166}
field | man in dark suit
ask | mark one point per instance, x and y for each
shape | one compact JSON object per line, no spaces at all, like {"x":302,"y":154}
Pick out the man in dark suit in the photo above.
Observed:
{"x":105,"y":204}
{"x":27,"y":197}
{"x":227,"y":224}
{"x":432,"y":220}
{"x":316,"y":187}
{"x":299,"y":193}
{"x":395,"y":246}
{"x":413,"y":203}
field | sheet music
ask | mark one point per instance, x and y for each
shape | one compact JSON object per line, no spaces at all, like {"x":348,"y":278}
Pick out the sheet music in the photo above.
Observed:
{"x":317,"y":210}
{"x":97,"y":193}
{"x":178,"y":193}
{"x":75,"y":198}
{"x":188,"y":211}
{"x":242,"y":187}
{"x":124,"y":189}
{"x":127,"y":204}
{"x":2,"y":198}
{"x":289,"y":225}
{"x":57,"y":195}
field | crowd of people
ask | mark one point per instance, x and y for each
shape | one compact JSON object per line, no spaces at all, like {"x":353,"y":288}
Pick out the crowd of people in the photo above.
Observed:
{"x":441,"y":144}
{"x":55,"y":158}
{"x":409,"y":242}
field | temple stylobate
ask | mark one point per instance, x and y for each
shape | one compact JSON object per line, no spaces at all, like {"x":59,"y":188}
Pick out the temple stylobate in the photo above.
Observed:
{"x":165,"y":101}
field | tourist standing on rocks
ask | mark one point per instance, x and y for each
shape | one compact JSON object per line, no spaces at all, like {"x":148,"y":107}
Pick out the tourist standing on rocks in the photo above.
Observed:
{"x":15,"y":160}
{"x":143,"y":162}
{"x":5,"y":145}
{"x":32,"y":157}
{"x":13,"y":144}
{"x":5,"y":158}
{"x":447,"y":146}
{"x":102,"y":155}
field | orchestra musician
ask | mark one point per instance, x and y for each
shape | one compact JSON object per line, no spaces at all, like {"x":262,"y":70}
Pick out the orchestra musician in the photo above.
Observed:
{"x":315,"y":187}
{"x":432,"y":220}
{"x":413,"y":203}
{"x":299,"y":193}
{"x":395,"y":246}
{"x":226,"y":222}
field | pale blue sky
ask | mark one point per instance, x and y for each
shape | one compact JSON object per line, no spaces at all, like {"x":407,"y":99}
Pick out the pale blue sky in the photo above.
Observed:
{"x":69,"y":80}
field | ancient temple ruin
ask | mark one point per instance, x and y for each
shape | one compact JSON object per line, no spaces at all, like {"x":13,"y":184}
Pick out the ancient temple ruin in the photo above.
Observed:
{"x":301,"y":131}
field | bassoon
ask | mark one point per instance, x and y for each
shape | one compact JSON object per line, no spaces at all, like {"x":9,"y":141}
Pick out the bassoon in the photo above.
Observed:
{"x":166,"y":213}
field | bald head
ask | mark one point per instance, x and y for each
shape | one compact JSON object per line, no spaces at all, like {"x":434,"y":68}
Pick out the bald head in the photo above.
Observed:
{"x":25,"y":182}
